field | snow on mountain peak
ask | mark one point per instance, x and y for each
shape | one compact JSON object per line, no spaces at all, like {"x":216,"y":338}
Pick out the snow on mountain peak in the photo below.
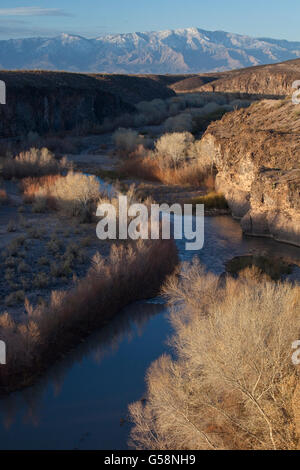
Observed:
{"x":185,"y":50}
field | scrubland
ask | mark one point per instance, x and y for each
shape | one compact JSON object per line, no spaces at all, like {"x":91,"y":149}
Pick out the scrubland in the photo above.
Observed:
{"x":232,"y":384}
{"x":186,"y":112}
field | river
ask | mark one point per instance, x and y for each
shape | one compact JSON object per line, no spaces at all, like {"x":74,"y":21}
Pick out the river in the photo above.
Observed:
{"x":81,"y":403}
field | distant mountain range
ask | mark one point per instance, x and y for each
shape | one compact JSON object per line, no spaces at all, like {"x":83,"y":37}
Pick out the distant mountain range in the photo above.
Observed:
{"x":189,"y":50}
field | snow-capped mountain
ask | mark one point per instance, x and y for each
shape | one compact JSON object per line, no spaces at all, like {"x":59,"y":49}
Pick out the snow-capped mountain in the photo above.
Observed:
{"x":187,"y":50}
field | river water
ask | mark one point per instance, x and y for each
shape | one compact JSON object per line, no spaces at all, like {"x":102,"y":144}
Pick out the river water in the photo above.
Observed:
{"x":81,"y":403}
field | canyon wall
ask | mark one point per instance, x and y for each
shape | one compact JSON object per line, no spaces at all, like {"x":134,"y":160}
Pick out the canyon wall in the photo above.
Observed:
{"x":257,"y":155}
{"x":264,"y":81}
{"x":43,"y":102}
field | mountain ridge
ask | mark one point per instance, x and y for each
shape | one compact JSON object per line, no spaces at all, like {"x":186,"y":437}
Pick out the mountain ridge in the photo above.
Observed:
{"x":186,"y":50}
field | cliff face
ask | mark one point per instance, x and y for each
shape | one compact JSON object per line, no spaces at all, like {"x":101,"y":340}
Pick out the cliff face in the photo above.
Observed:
{"x":257,"y":154}
{"x":57,"y":101}
{"x":53,"y":102}
{"x":264,"y":81}
{"x":275,"y":206}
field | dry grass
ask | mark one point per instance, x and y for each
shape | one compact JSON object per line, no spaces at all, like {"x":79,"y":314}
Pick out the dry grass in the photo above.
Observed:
{"x":32,"y":187}
{"x":211,"y":200}
{"x":232,"y":385}
{"x":34,"y":162}
{"x":130,"y":273}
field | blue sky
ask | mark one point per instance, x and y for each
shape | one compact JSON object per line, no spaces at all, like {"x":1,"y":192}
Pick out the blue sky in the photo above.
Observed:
{"x":91,"y":18}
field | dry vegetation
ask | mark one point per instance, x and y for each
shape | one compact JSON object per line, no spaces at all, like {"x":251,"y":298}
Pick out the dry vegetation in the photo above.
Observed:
{"x":175,"y":158}
{"x":34,"y":162}
{"x":130,"y":273}
{"x":233,"y":383}
{"x":211,"y":200}
{"x":190,"y":112}
{"x":35,"y":262}
{"x":74,"y":195}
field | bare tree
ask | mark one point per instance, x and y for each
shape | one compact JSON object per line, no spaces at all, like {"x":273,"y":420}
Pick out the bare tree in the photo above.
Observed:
{"x":233,"y":384}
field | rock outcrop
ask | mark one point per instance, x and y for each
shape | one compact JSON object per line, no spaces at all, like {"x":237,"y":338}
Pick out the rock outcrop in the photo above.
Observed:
{"x":257,"y":155}
{"x":45,"y":102}
{"x":264,"y":81}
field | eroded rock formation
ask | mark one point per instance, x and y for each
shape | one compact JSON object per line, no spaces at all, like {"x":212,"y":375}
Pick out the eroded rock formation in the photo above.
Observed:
{"x":257,"y":154}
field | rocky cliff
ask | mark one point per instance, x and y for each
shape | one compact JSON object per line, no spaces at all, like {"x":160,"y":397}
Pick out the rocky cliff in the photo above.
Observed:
{"x":265,"y":81}
{"x":257,"y":154}
{"x":55,"y":102}
{"x":44,"y":102}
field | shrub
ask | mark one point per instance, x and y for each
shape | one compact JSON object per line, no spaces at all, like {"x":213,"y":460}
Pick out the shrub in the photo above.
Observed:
{"x":54,"y":245}
{"x":128,"y":274}
{"x":126,"y":140}
{"x":23,"y":267}
{"x":15,"y":298}
{"x":180,"y":123}
{"x":41,"y":280}
{"x":38,"y":186}
{"x":173,"y":149}
{"x":14,"y":247}
{"x":74,"y":194}
{"x":156,"y":168}
{"x":233,"y":383}
{"x":139,"y":167}
{"x":152,"y":112}
{"x":34,"y":162}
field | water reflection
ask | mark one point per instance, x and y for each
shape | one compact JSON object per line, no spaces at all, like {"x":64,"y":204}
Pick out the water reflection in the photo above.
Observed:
{"x":25,"y":409}
{"x":80,"y":401}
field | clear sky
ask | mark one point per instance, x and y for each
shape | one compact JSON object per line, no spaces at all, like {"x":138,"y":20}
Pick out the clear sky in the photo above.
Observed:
{"x":278,"y":19}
